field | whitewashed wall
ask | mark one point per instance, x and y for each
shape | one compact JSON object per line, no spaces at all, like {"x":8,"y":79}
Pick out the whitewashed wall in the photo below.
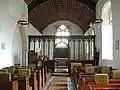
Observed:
{"x":7,"y":32}
{"x":74,"y":29}
{"x":10,"y":12}
{"x":116,"y":33}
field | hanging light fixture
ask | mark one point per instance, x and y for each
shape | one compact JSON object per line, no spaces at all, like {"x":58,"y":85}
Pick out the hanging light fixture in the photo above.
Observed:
{"x":97,"y":21}
{"x":23,"y":22}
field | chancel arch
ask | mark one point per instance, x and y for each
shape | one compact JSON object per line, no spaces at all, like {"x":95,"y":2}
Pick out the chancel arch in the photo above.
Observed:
{"x":73,"y":40}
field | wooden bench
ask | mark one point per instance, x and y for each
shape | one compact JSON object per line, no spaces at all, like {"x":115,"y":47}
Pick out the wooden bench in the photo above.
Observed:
{"x":33,"y":81}
{"x":36,"y":79}
{"x":6,"y":83}
{"x":104,"y":87}
{"x":39,"y":79}
{"x":91,"y":78}
{"x":23,"y":82}
{"x":13,"y":85}
{"x":22,"y":76}
{"x":112,"y":82}
{"x":68,"y":63}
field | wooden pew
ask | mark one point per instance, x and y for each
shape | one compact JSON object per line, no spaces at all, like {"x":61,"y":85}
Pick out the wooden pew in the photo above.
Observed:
{"x":6,"y":83}
{"x":33,"y":81}
{"x":104,"y":87}
{"x":91,"y":78}
{"x":13,"y":85}
{"x":79,"y":61}
{"x":112,"y":82}
{"x":42,"y":70}
{"x":88,"y":77}
{"x":23,"y":82}
{"x":22,"y":76}
{"x":41,"y":67}
{"x":39,"y":79}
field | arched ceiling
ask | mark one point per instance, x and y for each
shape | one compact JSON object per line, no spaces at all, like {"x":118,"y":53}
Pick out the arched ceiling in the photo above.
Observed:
{"x":44,"y":12}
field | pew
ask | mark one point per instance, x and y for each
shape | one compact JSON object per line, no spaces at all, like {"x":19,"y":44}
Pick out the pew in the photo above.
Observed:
{"x":6,"y":83}
{"x":86,"y":83}
{"x":89,"y":78}
{"x":36,"y":79}
{"x":83,"y":62}
{"x":13,"y":85}
{"x":26,"y":78}
{"x":41,"y":66}
{"x":23,"y":82}
{"x":33,"y":81}
{"x":22,"y":75}
{"x":104,"y":87}
{"x":39,"y":79}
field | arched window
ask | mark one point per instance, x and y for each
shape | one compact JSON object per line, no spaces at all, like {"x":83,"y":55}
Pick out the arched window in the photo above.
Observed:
{"x":62,"y":30}
{"x":107,"y":32}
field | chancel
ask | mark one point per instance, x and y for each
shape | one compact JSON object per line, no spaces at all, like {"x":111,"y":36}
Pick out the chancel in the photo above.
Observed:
{"x":59,"y":45}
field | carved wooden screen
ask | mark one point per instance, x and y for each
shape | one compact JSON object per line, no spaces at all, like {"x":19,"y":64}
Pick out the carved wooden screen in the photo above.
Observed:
{"x":79,"y":47}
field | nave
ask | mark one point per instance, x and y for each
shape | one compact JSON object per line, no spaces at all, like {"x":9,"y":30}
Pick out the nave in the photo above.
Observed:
{"x":79,"y":77}
{"x":38,"y":37}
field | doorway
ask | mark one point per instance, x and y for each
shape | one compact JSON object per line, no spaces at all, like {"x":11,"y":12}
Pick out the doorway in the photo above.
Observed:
{"x":61,"y":48}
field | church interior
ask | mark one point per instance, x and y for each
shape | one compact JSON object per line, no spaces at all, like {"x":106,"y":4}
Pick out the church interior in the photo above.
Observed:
{"x":59,"y":45}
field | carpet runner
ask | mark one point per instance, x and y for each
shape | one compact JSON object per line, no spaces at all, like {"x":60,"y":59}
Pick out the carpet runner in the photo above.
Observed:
{"x":59,"y":83}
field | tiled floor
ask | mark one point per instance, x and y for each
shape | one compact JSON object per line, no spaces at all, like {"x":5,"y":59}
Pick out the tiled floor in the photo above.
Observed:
{"x":60,"y":80}
{"x":59,"y":83}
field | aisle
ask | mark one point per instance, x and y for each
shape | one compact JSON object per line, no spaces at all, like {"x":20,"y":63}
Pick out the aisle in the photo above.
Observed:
{"x":59,"y":83}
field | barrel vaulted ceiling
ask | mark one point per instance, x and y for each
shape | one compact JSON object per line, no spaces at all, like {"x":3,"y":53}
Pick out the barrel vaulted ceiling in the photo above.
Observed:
{"x":44,"y":12}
